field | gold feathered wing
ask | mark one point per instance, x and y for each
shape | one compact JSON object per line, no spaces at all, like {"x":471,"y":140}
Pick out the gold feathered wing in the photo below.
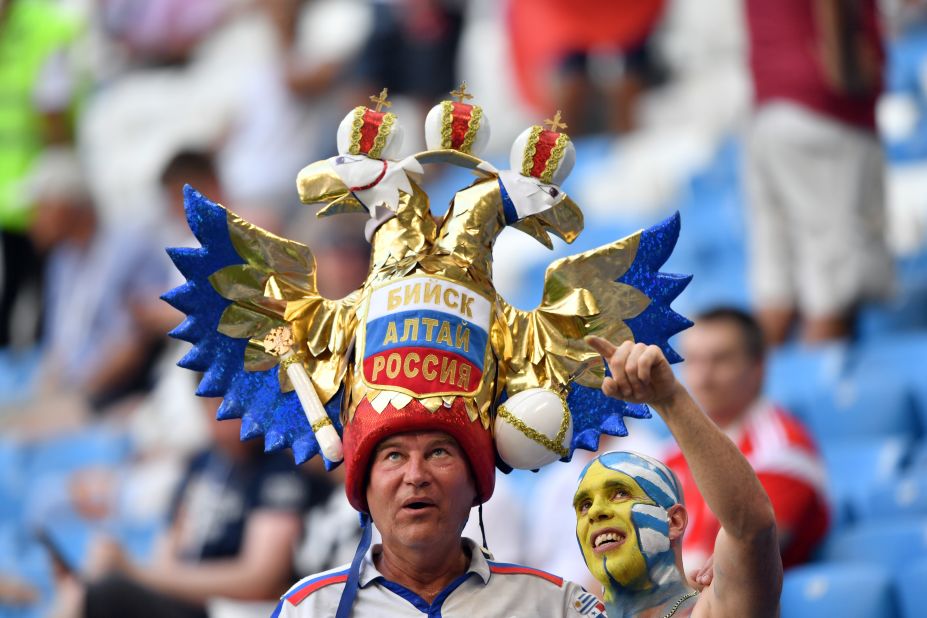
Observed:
{"x":276,"y":286}
{"x":581,"y":297}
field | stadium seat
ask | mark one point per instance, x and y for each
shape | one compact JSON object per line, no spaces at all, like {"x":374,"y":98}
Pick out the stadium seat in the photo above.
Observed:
{"x":11,"y":479}
{"x":795,"y":374}
{"x":901,"y":356}
{"x":18,"y":371}
{"x":854,"y":465}
{"x":863,"y":404}
{"x":911,"y":586}
{"x":88,"y":447}
{"x":819,"y":590}
{"x":904,"y":312}
{"x":918,"y":459}
{"x":891,"y":544}
{"x":901,"y":497}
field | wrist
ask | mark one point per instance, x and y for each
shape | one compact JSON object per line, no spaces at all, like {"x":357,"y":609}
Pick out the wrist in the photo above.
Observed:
{"x":667,"y":405}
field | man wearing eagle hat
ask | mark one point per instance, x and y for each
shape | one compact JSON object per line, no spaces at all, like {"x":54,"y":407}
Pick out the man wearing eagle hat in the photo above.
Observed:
{"x":425,"y":379}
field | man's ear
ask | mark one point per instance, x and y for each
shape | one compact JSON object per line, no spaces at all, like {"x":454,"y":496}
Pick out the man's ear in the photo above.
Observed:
{"x":678,"y":520}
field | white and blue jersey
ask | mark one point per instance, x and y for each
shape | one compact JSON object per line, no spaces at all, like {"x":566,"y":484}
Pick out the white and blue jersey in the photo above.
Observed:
{"x":486,"y":589}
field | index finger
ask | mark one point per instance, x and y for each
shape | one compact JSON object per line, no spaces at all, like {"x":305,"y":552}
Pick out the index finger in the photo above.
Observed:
{"x":602,"y":346}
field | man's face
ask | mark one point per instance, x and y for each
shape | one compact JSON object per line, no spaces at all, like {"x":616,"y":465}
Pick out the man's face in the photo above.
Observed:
{"x":607,"y":535}
{"x":420,"y":490}
{"x":722,"y":376}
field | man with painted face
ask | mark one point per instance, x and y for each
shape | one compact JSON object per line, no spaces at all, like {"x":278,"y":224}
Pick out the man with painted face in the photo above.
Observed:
{"x":631,"y":516}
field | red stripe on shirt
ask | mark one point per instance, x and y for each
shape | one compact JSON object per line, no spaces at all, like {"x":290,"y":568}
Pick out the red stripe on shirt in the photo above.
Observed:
{"x":297,"y":597}
{"x":521,"y":570}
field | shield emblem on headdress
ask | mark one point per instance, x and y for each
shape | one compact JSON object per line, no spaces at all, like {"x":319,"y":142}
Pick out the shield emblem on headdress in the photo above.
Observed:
{"x":425,"y":336}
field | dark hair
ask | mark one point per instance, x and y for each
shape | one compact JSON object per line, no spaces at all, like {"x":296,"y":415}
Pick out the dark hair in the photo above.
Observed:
{"x":188,"y":163}
{"x":750,"y":331}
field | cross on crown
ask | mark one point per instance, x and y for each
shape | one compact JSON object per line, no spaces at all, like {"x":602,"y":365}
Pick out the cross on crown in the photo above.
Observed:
{"x":380,"y":100}
{"x":461,"y":93}
{"x":555,"y":124}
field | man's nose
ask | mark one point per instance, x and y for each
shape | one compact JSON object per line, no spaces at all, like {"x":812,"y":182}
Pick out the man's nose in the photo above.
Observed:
{"x":417,"y":472}
{"x":598,"y":511}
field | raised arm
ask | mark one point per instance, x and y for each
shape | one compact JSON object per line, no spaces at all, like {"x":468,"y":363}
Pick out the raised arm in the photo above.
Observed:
{"x":747,"y":566}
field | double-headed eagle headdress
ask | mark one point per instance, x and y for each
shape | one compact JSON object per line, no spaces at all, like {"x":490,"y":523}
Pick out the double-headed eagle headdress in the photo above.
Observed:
{"x":426,"y":342}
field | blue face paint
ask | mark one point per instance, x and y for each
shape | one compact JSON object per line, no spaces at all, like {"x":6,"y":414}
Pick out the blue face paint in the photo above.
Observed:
{"x":628,"y":496}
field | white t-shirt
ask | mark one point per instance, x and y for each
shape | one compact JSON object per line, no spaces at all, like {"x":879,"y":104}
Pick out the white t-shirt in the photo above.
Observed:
{"x":488,"y":588}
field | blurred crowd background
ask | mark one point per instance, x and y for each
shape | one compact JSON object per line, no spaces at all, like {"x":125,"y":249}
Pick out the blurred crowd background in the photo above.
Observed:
{"x":116,"y":482}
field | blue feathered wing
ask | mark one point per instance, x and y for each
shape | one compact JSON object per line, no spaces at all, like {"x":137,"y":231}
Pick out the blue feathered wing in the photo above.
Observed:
{"x":593,"y":412}
{"x":255,"y":397}
{"x":615,"y":291}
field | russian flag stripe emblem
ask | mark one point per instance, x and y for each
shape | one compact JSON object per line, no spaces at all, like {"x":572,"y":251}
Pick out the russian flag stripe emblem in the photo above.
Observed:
{"x":427,"y":336}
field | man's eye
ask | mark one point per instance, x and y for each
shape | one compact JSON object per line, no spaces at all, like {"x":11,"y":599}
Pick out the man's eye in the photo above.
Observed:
{"x":392,"y":456}
{"x":620,"y":494}
{"x":584,"y":506}
{"x":440,"y":452}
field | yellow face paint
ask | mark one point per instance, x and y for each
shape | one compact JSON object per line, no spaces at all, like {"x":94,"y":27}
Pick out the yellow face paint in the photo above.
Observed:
{"x":603,"y":504}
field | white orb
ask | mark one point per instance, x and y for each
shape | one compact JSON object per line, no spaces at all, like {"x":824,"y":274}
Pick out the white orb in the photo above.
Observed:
{"x":527,"y":427}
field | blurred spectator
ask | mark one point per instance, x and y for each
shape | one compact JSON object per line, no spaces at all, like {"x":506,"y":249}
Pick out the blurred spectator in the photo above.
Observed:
{"x":342,"y":256}
{"x":288,"y":104}
{"x":196,"y":168}
{"x":160,"y":32}
{"x":37,"y":94}
{"x":233,"y":527}
{"x":332,"y":530}
{"x":724,"y":372}
{"x":815,"y":165}
{"x":188,"y":167}
{"x":555,"y":42}
{"x":98,"y":277}
{"x":412,"y":49}
{"x":15,"y":592}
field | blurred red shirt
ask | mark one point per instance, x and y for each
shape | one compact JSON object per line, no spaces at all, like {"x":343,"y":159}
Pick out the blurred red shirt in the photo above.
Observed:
{"x":791,"y":471}
{"x":543,"y":32}
{"x":786,"y":60}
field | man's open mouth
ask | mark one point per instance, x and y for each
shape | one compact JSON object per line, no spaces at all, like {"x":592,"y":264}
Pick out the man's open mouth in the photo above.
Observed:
{"x":607,"y":540}
{"x":418,"y":504}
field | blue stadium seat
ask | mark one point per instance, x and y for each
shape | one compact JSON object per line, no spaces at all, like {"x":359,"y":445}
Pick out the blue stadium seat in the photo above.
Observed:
{"x":911,"y":586}
{"x":12,"y":481}
{"x":855,"y":465}
{"x":18,"y":371}
{"x":890,"y":544}
{"x":852,"y":590}
{"x":721,"y":281}
{"x":864,"y":404}
{"x":796,"y":374}
{"x":900,"y":497}
{"x":93,"y":446}
{"x":918,"y":459}
{"x":905,"y":312}
{"x":902,"y":356}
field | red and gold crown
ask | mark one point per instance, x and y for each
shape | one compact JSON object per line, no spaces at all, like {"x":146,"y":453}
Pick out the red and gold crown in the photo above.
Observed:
{"x":457,"y":125}
{"x":370,"y":132}
{"x":544,"y":153}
